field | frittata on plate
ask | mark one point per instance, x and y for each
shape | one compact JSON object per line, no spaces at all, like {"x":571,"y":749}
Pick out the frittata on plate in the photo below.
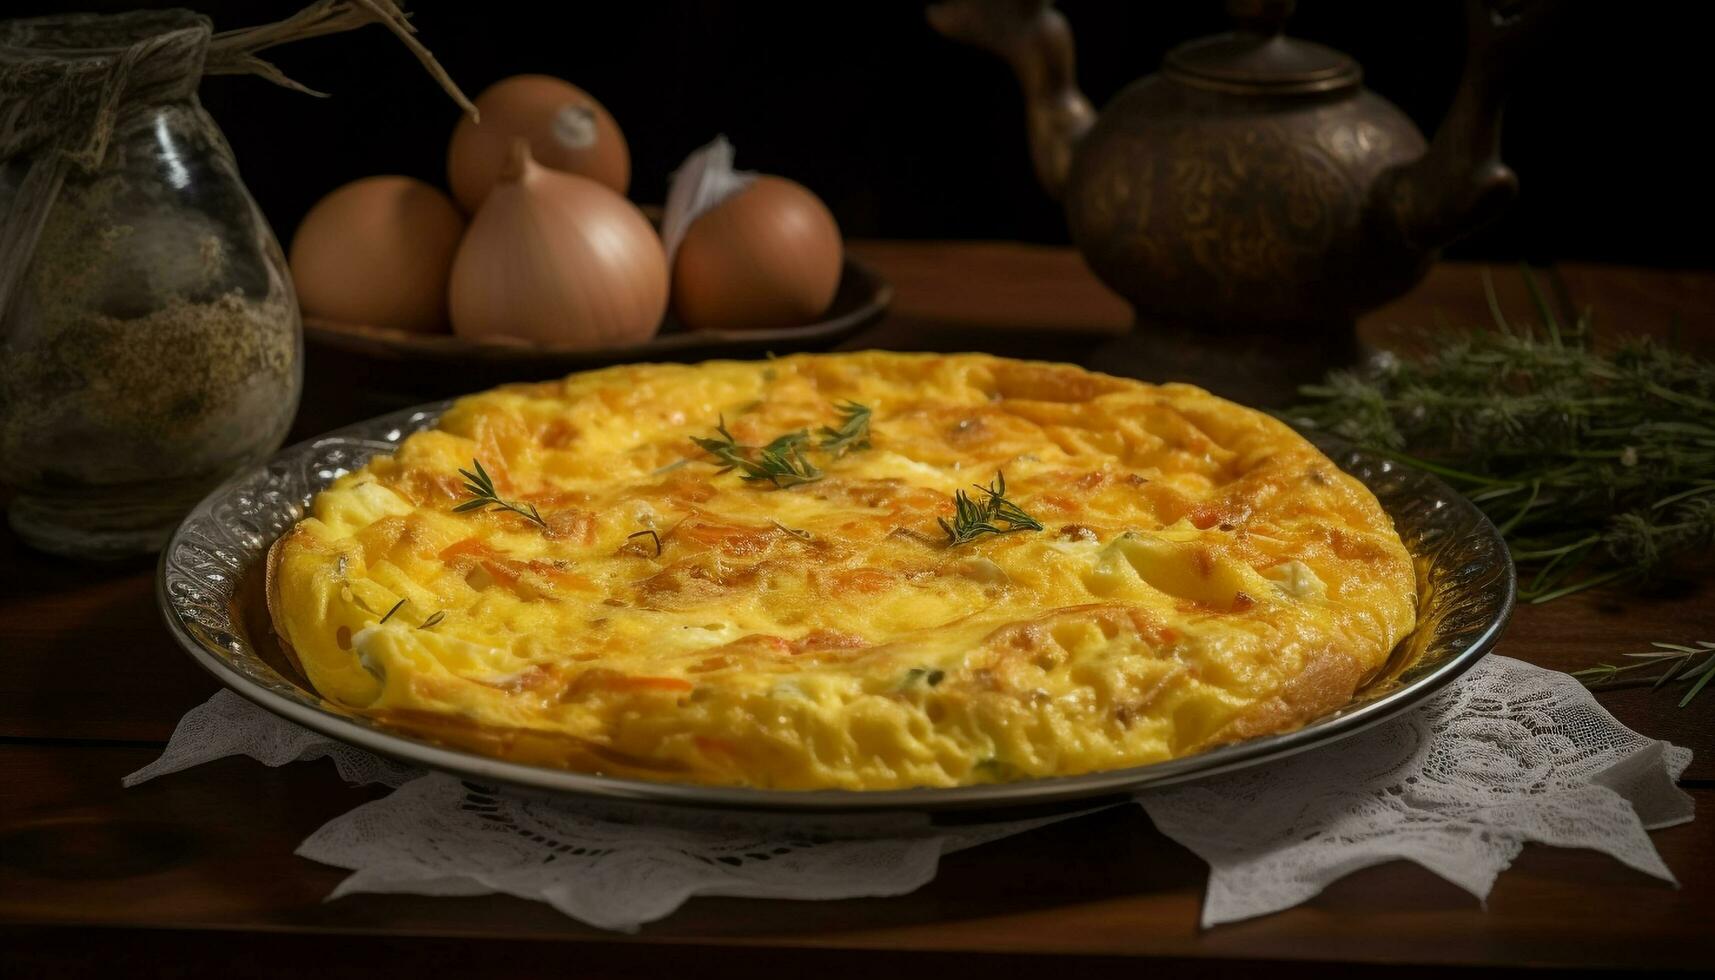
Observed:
{"x":858,"y":571}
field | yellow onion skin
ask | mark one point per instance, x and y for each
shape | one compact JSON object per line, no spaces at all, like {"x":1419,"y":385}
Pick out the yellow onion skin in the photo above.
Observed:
{"x":769,"y":256}
{"x":558,"y":260}
{"x":378,"y":251}
{"x":567,"y":128}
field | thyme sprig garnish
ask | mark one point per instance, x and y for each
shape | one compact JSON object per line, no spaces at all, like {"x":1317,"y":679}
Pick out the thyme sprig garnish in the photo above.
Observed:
{"x":973,"y":518}
{"x":852,"y":432}
{"x":1679,"y":658}
{"x":970,"y":521}
{"x":481,"y":488}
{"x":784,"y":466}
{"x":1598,"y":467}
{"x":780,"y":463}
{"x":1003,"y":509}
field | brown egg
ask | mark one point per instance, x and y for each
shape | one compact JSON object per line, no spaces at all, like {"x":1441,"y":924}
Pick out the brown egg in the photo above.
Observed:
{"x":378,"y":251}
{"x":568,"y":131}
{"x":769,"y":256}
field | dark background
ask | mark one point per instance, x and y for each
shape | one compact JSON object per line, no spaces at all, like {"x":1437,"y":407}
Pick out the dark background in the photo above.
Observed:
{"x":908,"y":135}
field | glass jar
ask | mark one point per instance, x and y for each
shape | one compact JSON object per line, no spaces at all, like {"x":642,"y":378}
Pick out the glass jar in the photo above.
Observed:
{"x":150,"y":347}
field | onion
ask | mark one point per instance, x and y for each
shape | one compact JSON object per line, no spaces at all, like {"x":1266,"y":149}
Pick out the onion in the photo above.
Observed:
{"x":558,"y":259}
{"x":567,"y":129}
{"x":377,"y":251}
{"x":767,"y":256}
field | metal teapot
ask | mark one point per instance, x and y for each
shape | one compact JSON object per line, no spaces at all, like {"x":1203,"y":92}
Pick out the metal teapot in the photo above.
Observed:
{"x":1252,"y":198}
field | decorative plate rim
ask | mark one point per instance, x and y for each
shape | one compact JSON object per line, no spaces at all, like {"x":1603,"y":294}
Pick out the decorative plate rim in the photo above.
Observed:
{"x":1468,"y":586}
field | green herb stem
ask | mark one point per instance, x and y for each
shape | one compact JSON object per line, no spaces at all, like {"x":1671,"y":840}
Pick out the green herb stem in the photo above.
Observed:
{"x":782,"y":463}
{"x":483,"y":496}
{"x":1597,"y":467}
{"x":973,"y":519}
{"x":1680,"y":660}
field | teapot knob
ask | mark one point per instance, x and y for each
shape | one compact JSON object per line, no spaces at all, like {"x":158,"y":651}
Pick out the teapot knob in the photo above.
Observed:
{"x":1266,"y":17}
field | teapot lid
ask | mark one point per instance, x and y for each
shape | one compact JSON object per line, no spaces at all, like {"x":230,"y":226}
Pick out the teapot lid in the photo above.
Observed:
{"x":1259,"y":59}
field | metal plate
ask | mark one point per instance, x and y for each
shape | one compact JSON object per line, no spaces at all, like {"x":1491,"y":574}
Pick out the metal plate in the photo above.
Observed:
{"x":210,"y":591}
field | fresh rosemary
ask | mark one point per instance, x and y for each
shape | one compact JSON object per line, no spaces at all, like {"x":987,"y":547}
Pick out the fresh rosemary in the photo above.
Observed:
{"x":852,"y":432}
{"x":781,"y":462}
{"x":481,"y":488}
{"x":1598,"y":467}
{"x":1681,"y":669}
{"x":973,"y":519}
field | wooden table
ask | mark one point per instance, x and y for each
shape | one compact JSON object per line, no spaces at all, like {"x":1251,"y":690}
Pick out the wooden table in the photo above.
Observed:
{"x":196,"y":870}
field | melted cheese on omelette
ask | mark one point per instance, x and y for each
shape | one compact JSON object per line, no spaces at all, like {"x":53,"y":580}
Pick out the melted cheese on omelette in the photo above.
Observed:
{"x":1204,"y":575}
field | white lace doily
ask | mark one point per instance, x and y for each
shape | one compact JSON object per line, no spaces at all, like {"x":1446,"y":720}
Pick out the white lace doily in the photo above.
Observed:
{"x":1509,"y":754}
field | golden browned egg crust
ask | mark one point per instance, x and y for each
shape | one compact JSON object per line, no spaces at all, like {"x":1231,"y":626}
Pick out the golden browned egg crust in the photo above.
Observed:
{"x":1202,"y":575}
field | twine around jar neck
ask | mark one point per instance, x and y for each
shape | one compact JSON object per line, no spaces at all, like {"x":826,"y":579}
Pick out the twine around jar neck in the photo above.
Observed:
{"x":65,"y":81}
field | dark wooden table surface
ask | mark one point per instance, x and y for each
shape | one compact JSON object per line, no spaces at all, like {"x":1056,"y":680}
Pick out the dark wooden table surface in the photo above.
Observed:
{"x":195,"y":873}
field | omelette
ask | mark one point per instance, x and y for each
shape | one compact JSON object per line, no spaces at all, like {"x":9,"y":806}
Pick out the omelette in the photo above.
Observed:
{"x":856,"y":571}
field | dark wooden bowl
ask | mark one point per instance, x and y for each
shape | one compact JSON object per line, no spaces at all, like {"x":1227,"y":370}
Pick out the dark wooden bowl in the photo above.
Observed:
{"x":440,"y":364}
